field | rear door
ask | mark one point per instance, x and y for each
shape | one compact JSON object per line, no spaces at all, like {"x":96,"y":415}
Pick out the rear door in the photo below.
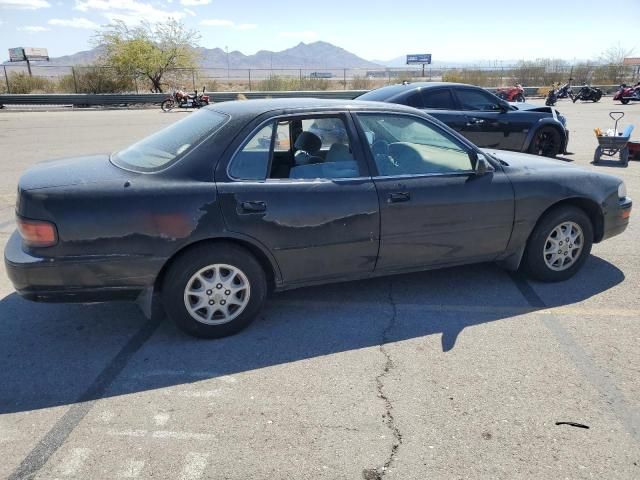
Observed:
{"x":320,"y":220}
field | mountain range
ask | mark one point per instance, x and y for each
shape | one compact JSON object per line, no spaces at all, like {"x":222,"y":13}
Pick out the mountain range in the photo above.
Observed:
{"x":320,"y":55}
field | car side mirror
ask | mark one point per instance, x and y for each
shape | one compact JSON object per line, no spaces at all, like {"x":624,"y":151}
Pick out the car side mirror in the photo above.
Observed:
{"x":481,"y":164}
{"x":504,"y":107}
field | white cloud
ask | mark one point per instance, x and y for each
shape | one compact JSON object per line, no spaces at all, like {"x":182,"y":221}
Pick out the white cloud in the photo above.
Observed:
{"x":218,"y":22}
{"x":74,"y":23}
{"x":33,"y":29}
{"x":129,"y":11}
{"x":24,"y":4}
{"x":190,"y":12}
{"x":194,"y":3}
{"x":304,"y":35}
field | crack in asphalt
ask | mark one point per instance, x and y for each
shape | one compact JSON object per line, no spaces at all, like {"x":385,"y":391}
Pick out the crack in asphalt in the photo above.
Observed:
{"x":389,"y":420}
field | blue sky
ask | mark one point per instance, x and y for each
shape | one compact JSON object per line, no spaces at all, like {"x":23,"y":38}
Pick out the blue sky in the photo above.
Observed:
{"x":376,"y":29}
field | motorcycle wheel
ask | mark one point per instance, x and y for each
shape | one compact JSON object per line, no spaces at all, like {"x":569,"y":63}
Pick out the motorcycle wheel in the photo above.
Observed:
{"x":167,"y":105}
{"x":624,"y":156}
{"x":520,"y":98}
{"x":624,"y":101}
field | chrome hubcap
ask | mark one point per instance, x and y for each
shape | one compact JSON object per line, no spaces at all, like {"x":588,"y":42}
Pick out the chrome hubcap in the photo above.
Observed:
{"x":217,"y":294}
{"x":563,"y":246}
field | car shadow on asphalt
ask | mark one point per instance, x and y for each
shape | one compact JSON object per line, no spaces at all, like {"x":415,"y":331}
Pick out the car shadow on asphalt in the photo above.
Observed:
{"x":52,"y":354}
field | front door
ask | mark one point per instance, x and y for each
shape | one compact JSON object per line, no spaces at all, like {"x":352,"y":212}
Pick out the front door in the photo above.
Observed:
{"x":435,"y":209}
{"x":301,"y":187}
{"x":487,"y":124}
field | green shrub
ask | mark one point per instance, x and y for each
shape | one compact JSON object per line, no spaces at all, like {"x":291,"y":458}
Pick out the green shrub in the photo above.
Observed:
{"x":361,"y":83}
{"x":22,"y":83}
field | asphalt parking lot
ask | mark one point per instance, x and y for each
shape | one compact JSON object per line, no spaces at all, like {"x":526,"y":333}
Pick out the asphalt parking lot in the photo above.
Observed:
{"x":457,"y":373}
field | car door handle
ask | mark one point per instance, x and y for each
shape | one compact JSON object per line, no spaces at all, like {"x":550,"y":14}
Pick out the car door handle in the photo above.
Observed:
{"x":397,"y":197}
{"x":253,"y":207}
{"x":475,"y":121}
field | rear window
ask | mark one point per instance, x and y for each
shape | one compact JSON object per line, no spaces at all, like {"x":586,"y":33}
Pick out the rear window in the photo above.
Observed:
{"x":167,"y":146}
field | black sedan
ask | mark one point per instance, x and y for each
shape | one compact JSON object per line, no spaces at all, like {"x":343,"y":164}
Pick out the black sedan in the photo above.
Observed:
{"x":206,"y":216}
{"x":483,"y":118}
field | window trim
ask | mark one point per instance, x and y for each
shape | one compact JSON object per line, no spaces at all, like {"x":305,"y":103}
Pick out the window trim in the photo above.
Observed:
{"x":465,"y":146}
{"x":352,"y":131}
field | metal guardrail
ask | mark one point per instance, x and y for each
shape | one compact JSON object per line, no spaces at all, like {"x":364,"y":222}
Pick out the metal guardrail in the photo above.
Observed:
{"x":79,"y":99}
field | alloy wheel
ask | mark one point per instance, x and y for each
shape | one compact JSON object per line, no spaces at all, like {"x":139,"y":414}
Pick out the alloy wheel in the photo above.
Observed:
{"x":563,"y":246}
{"x":217,"y":294}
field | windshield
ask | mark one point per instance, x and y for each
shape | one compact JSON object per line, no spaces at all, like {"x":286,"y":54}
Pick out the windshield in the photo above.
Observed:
{"x":165,"y":147}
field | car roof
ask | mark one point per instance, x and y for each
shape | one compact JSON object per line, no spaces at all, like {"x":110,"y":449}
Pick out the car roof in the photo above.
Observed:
{"x":384,"y":93}
{"x":239,"y":108}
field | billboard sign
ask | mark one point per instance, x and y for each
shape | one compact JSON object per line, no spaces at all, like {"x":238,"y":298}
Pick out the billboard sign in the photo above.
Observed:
{"x":631,"y":61}
{"x":16,"y":54}
{"x":419,"y":58}
{"x":36,"y":54}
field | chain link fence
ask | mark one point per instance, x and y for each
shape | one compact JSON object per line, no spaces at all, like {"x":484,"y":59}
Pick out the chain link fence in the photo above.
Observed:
{"x":68,"y":79}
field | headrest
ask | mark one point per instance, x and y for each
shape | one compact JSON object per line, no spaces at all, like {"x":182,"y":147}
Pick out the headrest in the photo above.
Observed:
{"x":308,"y":142}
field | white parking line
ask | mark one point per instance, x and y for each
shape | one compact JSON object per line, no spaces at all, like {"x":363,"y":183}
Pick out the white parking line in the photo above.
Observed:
{"x":160,"y":434}
{"x":161,"y":419}
{"x":74,"y":461}
{"x":133,"y":469}
{"x":195,"y":464}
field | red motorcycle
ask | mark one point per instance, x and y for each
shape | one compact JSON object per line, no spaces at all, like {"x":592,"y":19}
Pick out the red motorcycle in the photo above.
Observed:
{"x":512,"y":94}
{"x":627,"y":94}
{"x":180,"y":99}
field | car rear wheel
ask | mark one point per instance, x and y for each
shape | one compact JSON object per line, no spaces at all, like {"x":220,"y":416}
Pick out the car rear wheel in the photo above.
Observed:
{"x":546,"y":142}
{"x":559,"y":244}
{"x":214,"y":290}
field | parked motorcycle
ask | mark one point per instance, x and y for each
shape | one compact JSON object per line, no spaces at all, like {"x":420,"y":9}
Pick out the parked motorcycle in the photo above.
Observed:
{"x":627,"y":94}
{"x":587,"y":93}
{"x":511,"y":94}
{"x":565,"y":90}
{"x":180,"y":99}
{"x":559,"y":91}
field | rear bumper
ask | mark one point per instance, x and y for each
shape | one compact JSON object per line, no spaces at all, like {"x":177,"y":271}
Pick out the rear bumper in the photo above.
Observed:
{"x":77,"y":279}
{"x":616,"y":222}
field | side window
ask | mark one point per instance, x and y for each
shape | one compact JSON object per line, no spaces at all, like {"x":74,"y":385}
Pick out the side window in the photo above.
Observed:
{"x":252,"y":162}
{"x":438,"y":99}
{"x":304,"y":148}
{"x":404,"y":145}
{"x":477,"y":100}
{"x":414,"y":100}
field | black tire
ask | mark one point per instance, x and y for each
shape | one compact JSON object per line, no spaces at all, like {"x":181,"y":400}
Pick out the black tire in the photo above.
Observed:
{"x":167,"y":105}
{"x":546,"y":142}
{"x":624,"y":156}
{"x":181,"y":271}
{"x":598,"y":154}
{"x":624,"y":101}
{"x":534,"y":263}
{"x":520,"y":98}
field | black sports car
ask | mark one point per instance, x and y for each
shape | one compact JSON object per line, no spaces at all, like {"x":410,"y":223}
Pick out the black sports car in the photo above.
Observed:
{"x":483,"y":118}
{"x":206,"y":216}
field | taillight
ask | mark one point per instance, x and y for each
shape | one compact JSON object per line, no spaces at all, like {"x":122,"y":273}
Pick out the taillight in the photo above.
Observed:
{"x":37,"y":233}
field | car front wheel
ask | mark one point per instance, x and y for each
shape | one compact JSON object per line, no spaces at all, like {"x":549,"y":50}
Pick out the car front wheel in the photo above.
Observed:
{"x":546,"y":142}
{"x":214,"y":290}
{"x":559,"y":244}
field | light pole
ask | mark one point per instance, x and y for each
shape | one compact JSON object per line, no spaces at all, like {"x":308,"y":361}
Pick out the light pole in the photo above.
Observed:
{"x":227,"y":50}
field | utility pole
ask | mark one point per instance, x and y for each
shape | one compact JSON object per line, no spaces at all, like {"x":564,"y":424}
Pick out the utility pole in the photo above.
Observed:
{"x":227,"y":50}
